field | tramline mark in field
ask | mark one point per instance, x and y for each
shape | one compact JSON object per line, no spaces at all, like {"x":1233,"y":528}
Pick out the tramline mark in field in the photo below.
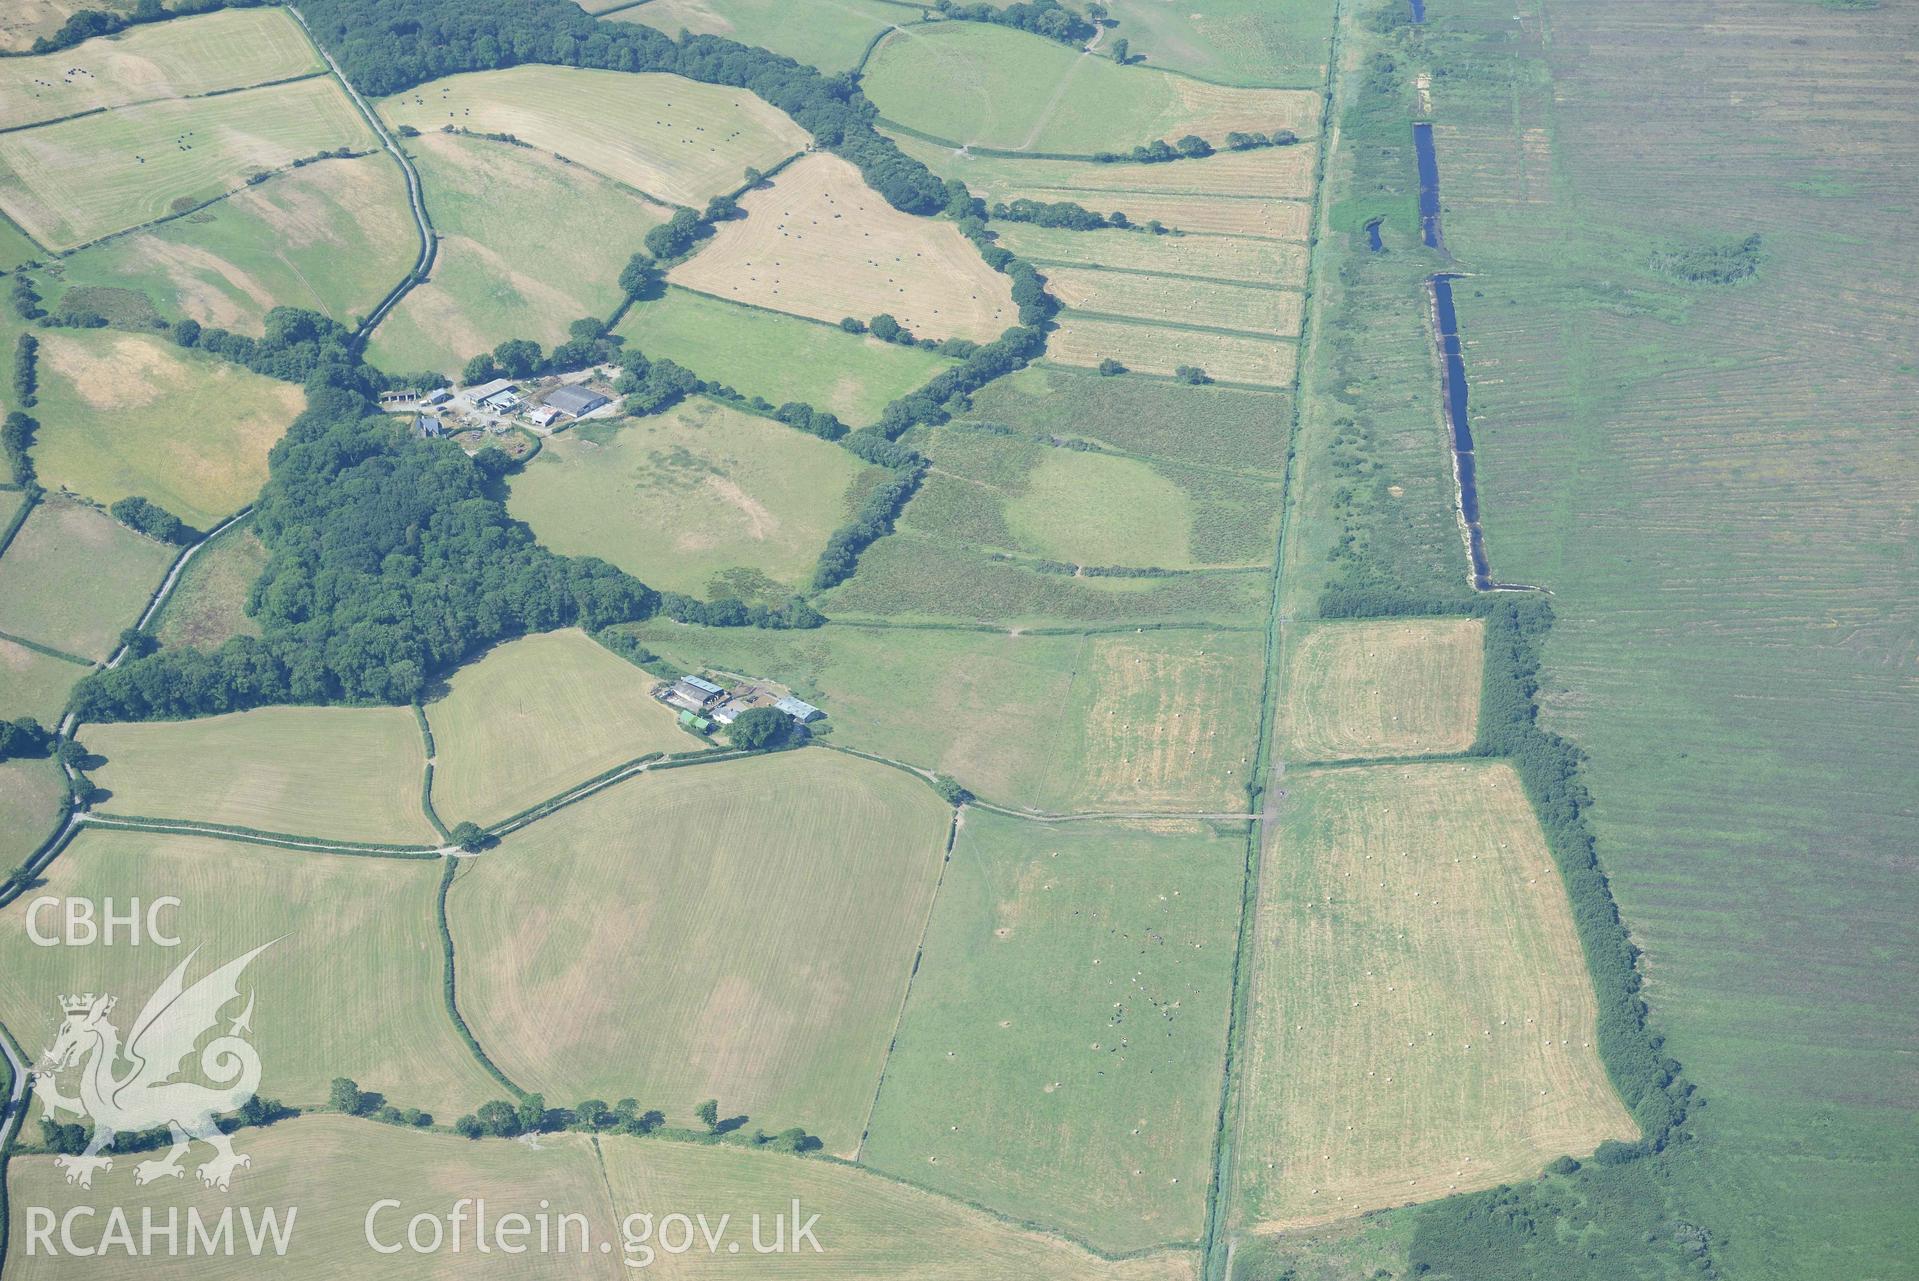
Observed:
{"x":1421,"y":1019}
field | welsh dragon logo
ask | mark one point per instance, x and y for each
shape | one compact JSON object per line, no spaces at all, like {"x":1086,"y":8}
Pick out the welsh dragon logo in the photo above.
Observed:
{"x":130,"y":1087}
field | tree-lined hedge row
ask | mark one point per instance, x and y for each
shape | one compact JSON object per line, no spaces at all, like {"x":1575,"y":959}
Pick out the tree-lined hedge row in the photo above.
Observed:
{"x":1548,"y":765}
{"x":873,"y":521}
{"x":26,"y":373}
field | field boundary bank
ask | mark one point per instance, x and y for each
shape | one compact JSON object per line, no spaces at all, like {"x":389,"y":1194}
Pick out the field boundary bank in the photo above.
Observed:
{"x":253,"y":836}
{"x":1146,"y":322}
{"x":1222,"y":1189}
{"x":906,"y":996}
{"x":30,"y":500}
{"x":1370,"y":762}
{"x":449,"y":984}
{"x":147,"y":102}
{"x":415,"y":196}
{"x":1049,"y":629}
{"x":1262,"y":285}
{"x":426,"y":773}
{"x":40,"y":648}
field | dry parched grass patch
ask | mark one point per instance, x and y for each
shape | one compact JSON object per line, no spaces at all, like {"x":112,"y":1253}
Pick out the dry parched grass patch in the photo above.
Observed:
{"x":1422,"y":1019}
{"x":819,"y":242}
{"x":1189,"y":302}
{"x":1404,"y":687}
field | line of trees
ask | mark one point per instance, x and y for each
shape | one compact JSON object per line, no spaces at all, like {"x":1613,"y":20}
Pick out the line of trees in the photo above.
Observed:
{"x":1041,"y":17}
{"x":16,"y":439}
{"x":872,"y":522}
{"x":153,"y":520}
{"x":1066,"y":214}
{"x":385,"y":46}
{"x":26,"y":373}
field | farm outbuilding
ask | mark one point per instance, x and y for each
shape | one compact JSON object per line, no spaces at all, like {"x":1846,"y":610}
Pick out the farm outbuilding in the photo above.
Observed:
{"x":803,"y":712}
{"x":693,"y":693}
{"x":542,"y":416}
{"x":428,"y":427}
{"x":575,"y":400}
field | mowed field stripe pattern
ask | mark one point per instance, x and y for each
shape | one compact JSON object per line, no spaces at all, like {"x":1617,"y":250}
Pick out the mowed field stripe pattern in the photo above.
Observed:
{"x":1261,"y":312}
{"x":75,"y":181}
{"x":741,"y":931}
{"x":669,"y":137}
{"x":819,"y":242}
{"x":345,"y":773}
{"x":351,"y":985}
{"x":1421,"y":1019}
{"x":229,"y":49}
{"x":1085,"y":341}
{"x":1401,"y":687}
{"x":536,"y":716}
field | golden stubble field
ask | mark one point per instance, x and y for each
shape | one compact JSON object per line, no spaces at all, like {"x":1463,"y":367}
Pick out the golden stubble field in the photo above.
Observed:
{"x":1155,"y":349}
{"x":819,"y":242}
{"x":1422,"y":1021}
{"x":1400,"y":687}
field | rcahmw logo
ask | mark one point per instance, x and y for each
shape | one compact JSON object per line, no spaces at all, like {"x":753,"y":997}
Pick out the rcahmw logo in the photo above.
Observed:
{"x":130,"y":1085}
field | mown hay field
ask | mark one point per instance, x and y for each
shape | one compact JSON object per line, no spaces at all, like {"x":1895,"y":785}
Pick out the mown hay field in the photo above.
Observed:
{"x":1062,"y":1051}
{"x":527,"y":246}
{"x":207,"y":605}
{"x":819,"y":242}
{"x":1085,"y":341}
{"x":1115,"y":721}
{"x":669,"y":137}
{"x":185,"y":58}
{"x":1246,"y":259}
{"x":990,"y":86}
{"x":24,"y":21}
{"x":72,"y":182}
{"x":350,"y":986}
{"x":832,"y":36}
{"x":1189,"y":302}
{"x":1256,"y":216}
{"x":33,"y":797}
{"x":871,"y":1228}
{"x":1401,"y":687}
{"x":741,"y":931}
{"x":333,"y":1168}
{"x":123,"y":414}
{"x":678,"y":497}
{"x":333,"y":236}
{"x":34,"y":684}
{"x":535,"y":717}
{"x":778,"y":356}
{"x":344,"y":773}
{"x":1422,"y":1021}
{"x":74,"y":577}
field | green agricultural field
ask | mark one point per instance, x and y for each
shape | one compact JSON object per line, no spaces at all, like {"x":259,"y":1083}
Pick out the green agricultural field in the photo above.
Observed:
{"x":777,"y":356}
{"x":1421,"y":1019}
{"x":332,"y":1169}
{"x":672,"y":138}
{"x":679,"y":497}
{"x":767,"y":914}
{"x":1241,"y":42}
{"x":33,"y":796}
{"x":332,"y":236}
{"x":1222,"y":427}
{"x":340,"y":773}
{"x":832,"y":35}
{"x":73,"y":182}
{"x":207,"y":606}
{"x":527,"y":246}
{"x":128,"y":414}
{"x":990,"y":86}
{"x":535,"y":717}
{"x":871,"y":1228}
{"x":187,"y":58}
{"x":1245,"y":259}
{"x":1153,"y":298}
{"x":913,"y":578}
{"x":1398,"y":687}
{"x":1152,"y":720}
{"x":16,"y":246}
{"x":1080,"y":507}
{"x":74,"y":577}
{"x":351,"y":985}
{"x":34,"y":684}
{"x":1062,"y":1051}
